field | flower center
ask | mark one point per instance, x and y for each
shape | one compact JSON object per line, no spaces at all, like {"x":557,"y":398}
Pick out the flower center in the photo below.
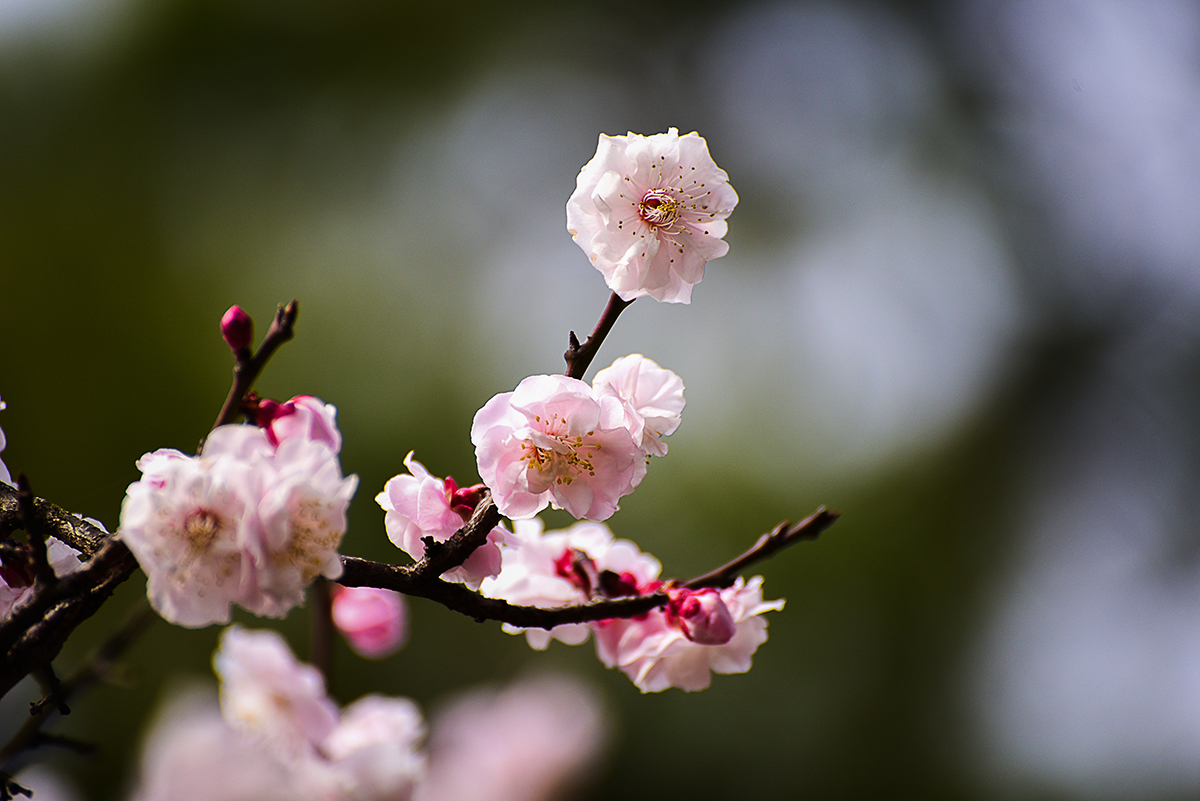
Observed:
{"x":658,"y":207}
{"x":201,"y":528}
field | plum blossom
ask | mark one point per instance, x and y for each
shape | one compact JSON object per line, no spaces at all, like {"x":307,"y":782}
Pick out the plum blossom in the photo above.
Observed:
{"x":373,"y":621}
{"x":374,"y":751}
{"x":278,"y":736}
{"x":302,"y":417}
{"x":267,"y":693}
{"x":524,"y":743}
{"x":244,"y":522}
{"x":652,"y":399}
{"x":656,"y":652}
{"x":422,"y":505}
{"x":5,"y":476}
{"x":572,"y":566}
{"x":191,"y":752}
{"x":650,"y":211}
{"x":553,"y":441}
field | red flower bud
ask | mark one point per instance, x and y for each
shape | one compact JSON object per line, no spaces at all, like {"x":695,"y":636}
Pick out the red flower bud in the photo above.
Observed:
{"x":238,"y":330}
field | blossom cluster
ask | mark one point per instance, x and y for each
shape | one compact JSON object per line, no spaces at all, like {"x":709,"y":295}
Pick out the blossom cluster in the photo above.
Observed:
{"x":556,"y":440}
{"x":252,"y":520}
{"x":698,"y":633}
{"x":279,"y":736}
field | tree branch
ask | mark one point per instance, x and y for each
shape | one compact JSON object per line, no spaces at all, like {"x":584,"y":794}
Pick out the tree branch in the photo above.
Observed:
{"x":245,"y":373}
{"x":411,"y":580}
{"x":578,"y":357}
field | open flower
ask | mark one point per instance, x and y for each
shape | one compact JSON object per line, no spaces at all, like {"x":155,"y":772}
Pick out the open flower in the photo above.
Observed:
{"x":651,"y":397}
{"x":650,"y":211}
{"x":421,"y":505}
{"x":571,"y":566}
{"x":551,"y":440}
{"x":244,"y":522}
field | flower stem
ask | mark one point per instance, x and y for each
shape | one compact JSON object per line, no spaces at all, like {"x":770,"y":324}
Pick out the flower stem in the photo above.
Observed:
{"x":578,"y":357}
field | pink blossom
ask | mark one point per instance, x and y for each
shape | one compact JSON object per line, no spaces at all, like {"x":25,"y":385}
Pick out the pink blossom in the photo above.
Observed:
{"x":650,"y":211}
{"x":651,"y":398}
{"x":552,"y":441}
{"x":572,"y":566}
{"x":374,"y":751}
{"x":303,"y":417}
{"x":278,"y":736}
{"x":422,"y":505}
{"x":526,"y":743}
{"x":302,"y":516}
{"x":372,"y":620}
{"x":243,"y":523}
{"x":190,"y":752}
{"x":656,"y":653}
{"x":268,"y":694}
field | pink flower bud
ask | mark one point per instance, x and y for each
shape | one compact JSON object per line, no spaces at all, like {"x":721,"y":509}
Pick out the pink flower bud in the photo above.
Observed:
{"x":238,"y":329}
{"x":701,"y":615}
{"x":373,"y":621}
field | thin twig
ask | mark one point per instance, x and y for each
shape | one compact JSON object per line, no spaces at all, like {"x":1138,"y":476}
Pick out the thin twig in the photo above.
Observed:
{"x":779,"y":537}
{"x":408,"y":580}
{"x":579,"y":357}
{"x":320,"y":645}
{"x":246,"y":372}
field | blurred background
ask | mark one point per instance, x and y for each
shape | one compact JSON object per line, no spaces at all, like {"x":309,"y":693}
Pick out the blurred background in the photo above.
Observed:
{"x":960,"y":306}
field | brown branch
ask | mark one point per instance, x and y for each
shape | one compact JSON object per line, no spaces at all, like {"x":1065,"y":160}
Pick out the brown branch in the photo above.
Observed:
{"x":34,"y":633}
{"x":246,"y":372}
{"x":578,"y":357}
{"x":777,"y":539}
{"x":410,"y":580}
{"x":71,"y":529}
{"x":96,"y":666}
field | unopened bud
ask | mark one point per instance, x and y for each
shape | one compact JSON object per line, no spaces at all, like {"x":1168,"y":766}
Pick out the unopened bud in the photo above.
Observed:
{"x":701,"y":615}
{"x":238,"y":330}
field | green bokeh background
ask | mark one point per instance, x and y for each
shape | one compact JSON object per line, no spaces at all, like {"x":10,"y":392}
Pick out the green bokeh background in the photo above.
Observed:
{"x":200,"y":154}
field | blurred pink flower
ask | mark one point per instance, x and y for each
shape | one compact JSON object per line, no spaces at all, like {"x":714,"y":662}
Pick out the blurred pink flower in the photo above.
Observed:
{"x":422,"y":505}
{"x":267,"y":693}
{"x":529,"y":742}
{"x":551,"y":440}
{"x":372,"y":620}
{"x":650,"y":211}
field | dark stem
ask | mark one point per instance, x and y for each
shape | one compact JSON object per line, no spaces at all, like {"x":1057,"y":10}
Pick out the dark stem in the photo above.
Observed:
{"x":779,"y":537}
{"x":321,"y":629}
{"x":411,"y":580}
{"x":579,"y":357}
{"x":96,"y":666}
{"x":43,"y":574}
{"x":246,"y":372}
